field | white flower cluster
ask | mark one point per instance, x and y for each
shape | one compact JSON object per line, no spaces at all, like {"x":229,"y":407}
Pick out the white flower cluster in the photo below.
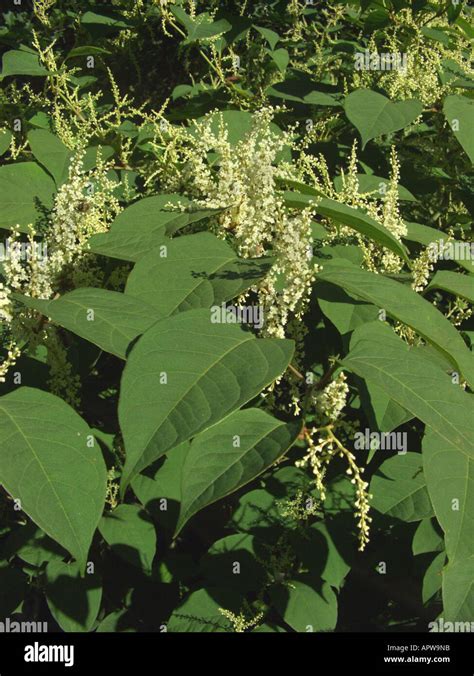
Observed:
{"x":83,"y":206}
{"x":332,"y":399}
{"x":426,"y":59}
{"x":241,"y":180}
{"x":5,"y":306}
{"x":382,"y":206}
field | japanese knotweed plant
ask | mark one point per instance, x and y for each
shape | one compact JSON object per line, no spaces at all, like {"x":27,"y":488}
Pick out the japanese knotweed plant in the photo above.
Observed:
{"x":236,"y":296}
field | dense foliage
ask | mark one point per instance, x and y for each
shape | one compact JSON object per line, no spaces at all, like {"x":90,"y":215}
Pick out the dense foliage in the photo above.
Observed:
{"x":236,"y":313}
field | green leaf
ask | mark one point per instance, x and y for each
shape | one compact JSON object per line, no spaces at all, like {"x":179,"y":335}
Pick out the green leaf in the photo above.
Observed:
{"x":109,"y":319}
{"x":51,"y":153}
{"x":458,"y":591}
{"x":47,"y":463}
{"x":414,"y":382}
{"x":229,"y":455}
{"x":24,"y":189}
{"x":427,"y":539}
{"x":143,"y":226}
{"x":377,"y":185}
{"x":280,"y":57}
{"x":5,"y":140}
{"x":453,"y":282}
{"x":184,"y":375}
{"x":459,"y":114}
{"x":354,"y":218}
{"x":159,"y":490}
{"x":131,"y":535}
{"x":200,"y":611}
{"x":300,"y":87}
{"x":217,"y":566}
{"x":86,"y":50}
{"x":74,"y":601}
{"x":22,"y":62}
{"x":405,"y":305}
{"x":383,"y":413}
{"x":305,"y":605}
{"x":192,"y":272}
{"x":399,"y":488}
{"x":432,"y":579}
{"x":270,"y":36}
{"x":422,"y":388}
{"x":200,"y":27}
{"x":342,"y":310}
{"x":109,"y":19}
{"x":373,"y":114}
{"x":449,"y":471}
{"x":32,"y":545}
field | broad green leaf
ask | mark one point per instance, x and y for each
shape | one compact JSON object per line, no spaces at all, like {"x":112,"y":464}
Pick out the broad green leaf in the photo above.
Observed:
{"x":306,"y":605}
{"x":192,"y":272}
{"x":201,"y":611}
{"x":415,"y":383}
{"x":449,"y":472}
{"x":432,"y":579}
{"x":74,"y":600}
{"x":373,"y":114}
{"x":354,"y":218}
{"x":159,"y":490}
{"x":109,"y":319}
{"x":86,"y":50}
{"x":383,"y":413}
{"x":453,"y":282}
{"x":300,"y":87}
{"x":377,"y":185}
{"x":118,"y":621}
{"x":184,"y":375}
{"x":201,"y":26}
{"x":229,"y":455}
{"x":25,"y":188}
{"x":131,"y":535}
{"x":357,"y":219}
{"x":218,"y":565}
{"x":458,"y":591}
{"x":345,"y":312}
{"x":399,"y":488}
{"x":322,"y":549}
{"x":422,"y":234}
{"x":422,"y":388}
{"x":459,"y":114}
{"x":270,"y":36}
{"x":51,"y":153}
{"x":109,"y":20}
{"x":5,"y":140}
{"x":280,"y":57}
{"x":32,"y":545}
{"x":22,"y":62}
{"x":402,"y":303}
{"x":143,"y":226}
{"x":427,"y":539}
{"x":48,"y":462}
